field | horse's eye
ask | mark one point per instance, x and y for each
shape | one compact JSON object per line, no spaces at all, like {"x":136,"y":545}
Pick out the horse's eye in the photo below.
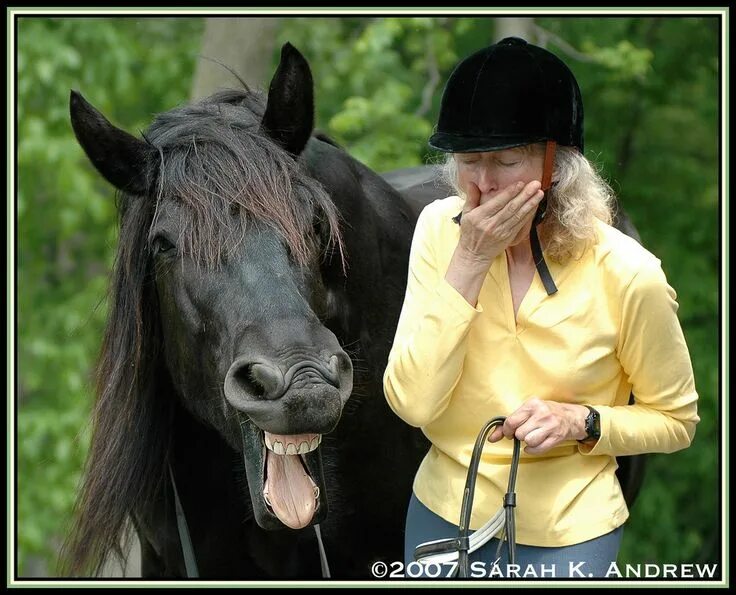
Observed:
{"x":162,"y":245}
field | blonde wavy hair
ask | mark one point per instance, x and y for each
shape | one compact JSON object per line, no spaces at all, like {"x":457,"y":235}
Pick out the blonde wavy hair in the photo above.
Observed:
{"x":578,"y":197}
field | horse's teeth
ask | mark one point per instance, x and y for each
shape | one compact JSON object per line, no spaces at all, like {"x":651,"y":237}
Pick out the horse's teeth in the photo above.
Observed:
{"x":291,"y":448}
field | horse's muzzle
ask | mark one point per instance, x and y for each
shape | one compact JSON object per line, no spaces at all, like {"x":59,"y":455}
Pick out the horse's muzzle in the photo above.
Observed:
{"x":306,"y":396}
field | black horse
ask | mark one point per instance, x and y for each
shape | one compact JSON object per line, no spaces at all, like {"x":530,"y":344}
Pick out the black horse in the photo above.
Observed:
{"x":258,"y":281}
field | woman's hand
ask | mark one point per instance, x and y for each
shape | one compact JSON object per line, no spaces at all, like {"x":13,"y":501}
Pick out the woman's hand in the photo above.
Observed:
{"x":543,"y":424}
{"x":489,"y":224}
{"x":487,"y":228}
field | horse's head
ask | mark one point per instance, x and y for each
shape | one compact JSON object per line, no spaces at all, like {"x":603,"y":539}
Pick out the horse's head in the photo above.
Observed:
{"x":233,"y":232}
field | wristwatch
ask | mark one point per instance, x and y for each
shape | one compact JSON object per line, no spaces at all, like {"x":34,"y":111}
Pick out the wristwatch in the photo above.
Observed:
{"x":592,"y":426}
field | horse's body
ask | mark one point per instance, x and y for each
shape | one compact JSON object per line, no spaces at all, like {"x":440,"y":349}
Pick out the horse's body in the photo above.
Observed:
{"x":234,"y":325}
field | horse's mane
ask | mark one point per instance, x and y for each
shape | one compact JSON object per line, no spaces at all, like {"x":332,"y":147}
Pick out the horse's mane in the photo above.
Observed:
{"x":131,"y":423}
{"x":215,"y":161}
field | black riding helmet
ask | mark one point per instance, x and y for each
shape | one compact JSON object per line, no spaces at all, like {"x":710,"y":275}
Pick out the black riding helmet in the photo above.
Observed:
{"x":510,"y":94}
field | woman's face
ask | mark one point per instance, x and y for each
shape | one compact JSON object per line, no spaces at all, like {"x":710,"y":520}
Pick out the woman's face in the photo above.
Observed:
{"x":492,"y":171}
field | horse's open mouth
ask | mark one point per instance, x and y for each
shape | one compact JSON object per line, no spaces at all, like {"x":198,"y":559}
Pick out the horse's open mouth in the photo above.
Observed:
{"x":288,"y":490}
{"x":285,"y":477}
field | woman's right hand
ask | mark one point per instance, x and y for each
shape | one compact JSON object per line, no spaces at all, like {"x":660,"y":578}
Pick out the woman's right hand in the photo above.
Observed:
{"x":490,"y":224}
{"x":487,"y":228}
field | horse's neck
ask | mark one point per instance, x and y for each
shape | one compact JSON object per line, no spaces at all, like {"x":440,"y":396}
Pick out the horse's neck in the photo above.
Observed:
{"x":378,"y":221}
{"x":377,"y":236}
{"x":355,"y":189}
{"x":199,"y":451}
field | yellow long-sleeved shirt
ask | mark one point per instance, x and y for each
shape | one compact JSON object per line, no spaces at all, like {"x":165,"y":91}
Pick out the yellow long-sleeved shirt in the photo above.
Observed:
{"x":611,"y":328}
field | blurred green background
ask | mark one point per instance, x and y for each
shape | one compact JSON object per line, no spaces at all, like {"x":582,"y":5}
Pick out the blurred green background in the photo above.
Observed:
{"x":651,"y":92}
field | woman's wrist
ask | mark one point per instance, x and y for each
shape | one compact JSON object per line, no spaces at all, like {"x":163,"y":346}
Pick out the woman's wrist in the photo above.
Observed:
{"x":577,"y":416}
{"x":466,"y":274}
{"x":470,"y":261}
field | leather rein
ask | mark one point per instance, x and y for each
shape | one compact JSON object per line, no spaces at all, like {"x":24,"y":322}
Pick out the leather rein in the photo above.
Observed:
{"x":459,"y":548}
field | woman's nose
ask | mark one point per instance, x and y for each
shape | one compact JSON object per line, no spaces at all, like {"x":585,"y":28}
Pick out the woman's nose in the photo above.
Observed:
{"x":486,"y":179}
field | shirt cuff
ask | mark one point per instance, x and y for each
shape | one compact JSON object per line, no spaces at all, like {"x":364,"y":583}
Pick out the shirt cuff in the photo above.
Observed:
{"x":601,"y":445}
{"x":452,"y":297}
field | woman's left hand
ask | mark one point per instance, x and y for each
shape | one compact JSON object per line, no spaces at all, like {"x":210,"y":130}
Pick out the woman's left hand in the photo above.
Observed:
{"x":543,"y":424}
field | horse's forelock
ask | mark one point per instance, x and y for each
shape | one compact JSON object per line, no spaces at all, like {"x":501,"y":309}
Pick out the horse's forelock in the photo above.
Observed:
{"x":217,"y":163}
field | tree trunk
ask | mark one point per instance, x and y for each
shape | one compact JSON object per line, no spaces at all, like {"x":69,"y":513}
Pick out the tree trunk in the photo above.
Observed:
{"x":243,"y":44}
{"x":637,"y":103}
{"x":515,"y":27}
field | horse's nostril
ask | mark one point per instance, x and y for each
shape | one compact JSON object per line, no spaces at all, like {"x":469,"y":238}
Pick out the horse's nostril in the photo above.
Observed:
{"x":338,"y":366}
{"x":257,"y":381}
{"x":243,"y":376}
{"x":333,"y":368}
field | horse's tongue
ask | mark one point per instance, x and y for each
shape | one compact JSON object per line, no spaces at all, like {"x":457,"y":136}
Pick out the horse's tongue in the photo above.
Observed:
{"x":289,"y":490}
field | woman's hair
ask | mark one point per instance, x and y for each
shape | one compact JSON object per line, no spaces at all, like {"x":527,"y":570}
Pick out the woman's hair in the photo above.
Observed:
{"x":578,"y":197}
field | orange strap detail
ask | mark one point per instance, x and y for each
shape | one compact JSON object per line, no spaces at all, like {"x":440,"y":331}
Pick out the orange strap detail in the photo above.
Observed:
{"x":549,"y":159}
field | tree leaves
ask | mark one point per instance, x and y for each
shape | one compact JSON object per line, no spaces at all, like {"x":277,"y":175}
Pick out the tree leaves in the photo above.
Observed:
{"x":65,"y":223}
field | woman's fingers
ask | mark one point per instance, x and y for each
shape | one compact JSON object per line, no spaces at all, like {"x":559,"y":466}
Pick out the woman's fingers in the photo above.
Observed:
{"x":547,"y":444}
{"x":490,"y":223}
{"x":496,"y":434}
{"x":472,"y":199}
{"x":511,"y":196}
{"x":490,"y":206}
{"x":515,"y":211}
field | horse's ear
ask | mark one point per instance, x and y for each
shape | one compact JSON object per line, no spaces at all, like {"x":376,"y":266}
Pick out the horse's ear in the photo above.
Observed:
{"x":120,"y":157}
{"x":289,"y":117}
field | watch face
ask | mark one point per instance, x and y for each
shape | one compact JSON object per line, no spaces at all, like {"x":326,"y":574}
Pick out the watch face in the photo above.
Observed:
{"x":593,"y":424}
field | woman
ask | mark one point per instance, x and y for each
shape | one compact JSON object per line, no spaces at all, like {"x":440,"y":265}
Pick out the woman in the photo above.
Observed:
{"x":552,"y":334}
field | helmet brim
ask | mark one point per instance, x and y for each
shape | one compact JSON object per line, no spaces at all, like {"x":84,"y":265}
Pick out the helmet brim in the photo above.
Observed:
{"x":459,"y":143}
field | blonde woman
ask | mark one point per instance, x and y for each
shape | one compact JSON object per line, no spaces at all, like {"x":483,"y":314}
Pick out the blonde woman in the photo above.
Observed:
{"x":522,"y":301}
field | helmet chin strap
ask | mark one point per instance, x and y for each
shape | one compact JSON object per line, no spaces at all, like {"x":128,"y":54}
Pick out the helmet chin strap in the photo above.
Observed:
{"x":549,"y":158}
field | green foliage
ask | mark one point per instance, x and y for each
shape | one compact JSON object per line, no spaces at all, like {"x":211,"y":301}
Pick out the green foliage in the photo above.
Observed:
{"x":624,"y":60}
{"x":66,"y":230}
{"x":650,"y":87}
{"x":378,"y":81}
